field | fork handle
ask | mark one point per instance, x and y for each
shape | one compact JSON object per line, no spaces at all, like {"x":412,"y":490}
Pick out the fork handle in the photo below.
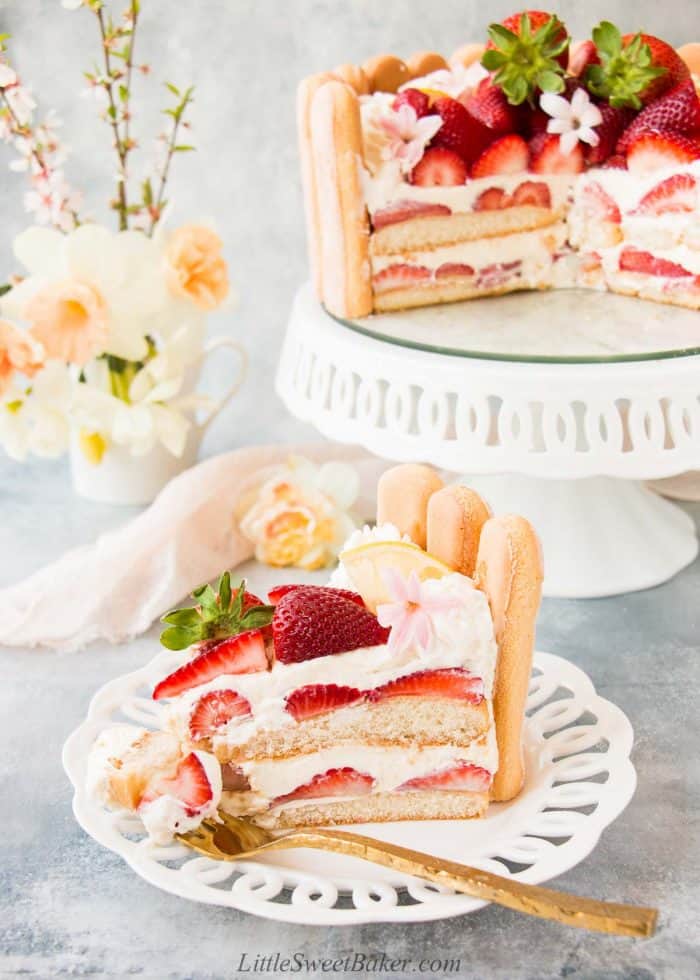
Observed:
{"x":546,"y":903}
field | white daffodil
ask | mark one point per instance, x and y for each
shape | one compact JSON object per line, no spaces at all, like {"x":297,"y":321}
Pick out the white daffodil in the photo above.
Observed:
{"x":573,"y":121}
{"x":88,"y":292}
{"x":34,"y":419}
{"x":162,"y":377}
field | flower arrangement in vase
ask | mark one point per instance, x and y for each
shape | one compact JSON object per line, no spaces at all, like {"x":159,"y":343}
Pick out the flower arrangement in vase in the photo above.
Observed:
{"x":103,"y":335}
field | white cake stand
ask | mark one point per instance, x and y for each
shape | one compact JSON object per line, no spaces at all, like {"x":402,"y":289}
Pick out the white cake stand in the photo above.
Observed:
{"x":601,"y":394}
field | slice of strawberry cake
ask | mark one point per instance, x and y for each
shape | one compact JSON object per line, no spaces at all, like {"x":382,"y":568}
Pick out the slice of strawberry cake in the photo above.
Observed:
{"x":399,"y":698}
{"x":532,"y":162}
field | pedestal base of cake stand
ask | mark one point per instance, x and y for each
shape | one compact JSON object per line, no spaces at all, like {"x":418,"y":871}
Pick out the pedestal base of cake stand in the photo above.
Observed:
{"x":602,"y":394}
{"x":600,"y":536}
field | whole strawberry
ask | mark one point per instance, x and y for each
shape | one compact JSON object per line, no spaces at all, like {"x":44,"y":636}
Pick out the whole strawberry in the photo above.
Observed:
{"x":460,"y":131}
{"x":677,"y":111}
{"x":634,"y":69}
{"x":527,"y":54}
{"x":312,"y":622}
{"x":608,"y":131}
{"x":490,"y":106}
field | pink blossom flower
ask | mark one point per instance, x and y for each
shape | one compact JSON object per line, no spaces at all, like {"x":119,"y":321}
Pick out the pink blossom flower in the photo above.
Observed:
{"x":410,"y":613}
{"x":408,"y":135}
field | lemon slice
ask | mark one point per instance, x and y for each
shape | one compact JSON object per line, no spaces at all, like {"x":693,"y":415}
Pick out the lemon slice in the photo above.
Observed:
{"x":366,"y":563}
{"x":434,"y":94}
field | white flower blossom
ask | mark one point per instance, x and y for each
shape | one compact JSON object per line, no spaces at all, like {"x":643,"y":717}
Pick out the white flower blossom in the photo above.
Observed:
{"x":408,"y":135}
{"x":573,"y":121}
{"x":7,"y":75}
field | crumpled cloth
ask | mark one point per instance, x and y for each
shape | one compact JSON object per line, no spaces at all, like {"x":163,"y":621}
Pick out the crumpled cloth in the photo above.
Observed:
{"x":116,"y":587}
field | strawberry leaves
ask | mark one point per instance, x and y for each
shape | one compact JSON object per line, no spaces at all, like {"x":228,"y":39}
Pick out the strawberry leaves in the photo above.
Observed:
{"x":625,"y":71}
{"x":525,"y":62}
{"x":216,"y":615}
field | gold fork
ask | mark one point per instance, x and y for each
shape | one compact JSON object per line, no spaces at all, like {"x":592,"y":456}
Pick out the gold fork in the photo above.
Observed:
{"x":235,"y":839}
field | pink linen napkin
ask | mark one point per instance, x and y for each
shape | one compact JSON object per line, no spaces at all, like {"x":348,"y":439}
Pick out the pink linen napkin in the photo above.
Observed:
{"x":115,"y":588}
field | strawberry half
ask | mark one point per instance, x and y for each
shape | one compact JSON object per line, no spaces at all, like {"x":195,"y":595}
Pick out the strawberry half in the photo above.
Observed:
{"x":635,"y":260}
{"x":440,"y":167}
{"x":673,"y":195}
{"x":214,"y":711}
{"x":417,"y":100}
{"x":492,"y":199}
{"x":190,"y":785}
{"x":319,"y":699}
{"x":242,"y":654}
{"x":462,"y":777}
{"x":453,"y":270}
{"x":448,"y":682}
{"x":608,"y":131}
{"x":460,"y":131}
{"x":335,"y":782}
{"x":598,"y":205}
{"x":406,"y":210}
{"x":313,"y":622}
{"x":507,"y":155}
{"x":547,"y":157}
{"x":398,"y":276}
{"x":677,"y":111}
{"x":532,"y":192}
{"x":654,"y":151}
{"x":281,"y":590}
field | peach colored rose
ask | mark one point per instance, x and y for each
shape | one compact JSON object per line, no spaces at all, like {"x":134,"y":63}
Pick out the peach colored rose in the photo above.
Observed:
{"x":71,"y":319}
{"x":18,"y":352}
{"x":196,"y":269}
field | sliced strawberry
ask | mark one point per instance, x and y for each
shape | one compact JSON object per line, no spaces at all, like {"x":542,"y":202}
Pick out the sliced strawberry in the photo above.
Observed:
{"x":635,"y":260}
{"x":448,"y":682}
{"x":497,"y":273}
{"x":616,"y":162}
{"x":405,"y":211}
{"x":507,"y":155}
{"x":242,"y":654}
{"x":190,"y":785}
{"x":335,"y":782}
{"x":653,"y":151}
{"x":276,"y":594}
{"x":440,"y":167}
{"x":489,"y":105}
{"x":460,"y":131}
{"x":214,"y":710}
{"x":492,"y":199}
{"x":582,"y":55}
{"x":598,"y":205}
{"x":461,"y":777}
{"x":312,"y":622}
{"x":399,"y":276}
{"x":675,"y":194}
{"x":418,"y":101}
{"x":532,"y":192}
{"x":547,"y":157}
{"x":452,"y":270}
{"x":677,"y":111}
{"x":318,"y":699}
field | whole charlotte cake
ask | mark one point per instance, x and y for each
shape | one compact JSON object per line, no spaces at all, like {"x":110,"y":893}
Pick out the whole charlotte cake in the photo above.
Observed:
{"x":530,"y":163}
{"x":395,"y":693}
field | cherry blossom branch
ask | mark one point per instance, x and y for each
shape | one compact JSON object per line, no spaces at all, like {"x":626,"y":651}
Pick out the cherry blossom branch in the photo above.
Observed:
{"x":113,"y":117}
{"x":172,"y":147}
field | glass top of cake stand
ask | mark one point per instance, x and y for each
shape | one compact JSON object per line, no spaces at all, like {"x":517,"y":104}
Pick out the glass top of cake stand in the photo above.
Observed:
{"x":565,"y":326}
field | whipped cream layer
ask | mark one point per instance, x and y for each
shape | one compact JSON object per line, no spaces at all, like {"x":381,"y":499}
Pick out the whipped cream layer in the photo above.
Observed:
{"x":533,"y":248}
{"x":103,"y":761}
{"x":463,"y":637}
{"x":389,"y":768}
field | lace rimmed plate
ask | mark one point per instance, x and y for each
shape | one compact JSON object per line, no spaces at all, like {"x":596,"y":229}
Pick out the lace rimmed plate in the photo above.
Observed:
{"x":580,"y":777}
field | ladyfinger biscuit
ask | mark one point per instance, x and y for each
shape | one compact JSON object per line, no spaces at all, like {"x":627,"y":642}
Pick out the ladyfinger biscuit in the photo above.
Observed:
{"x":690,"y":53}
{"x":509,"y":570}
{"x":403,"y":493}
{"x":305,"y":93}
{"x":386,"y":73}
{"x":336,"y":137}
{"x":423,"y":62}
{"x":466,"y":55}
{"x":456,"y":516}
{"x":354,"y":76}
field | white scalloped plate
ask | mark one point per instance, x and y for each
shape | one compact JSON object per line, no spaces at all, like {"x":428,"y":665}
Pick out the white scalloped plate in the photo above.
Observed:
{"x":580,"y":778}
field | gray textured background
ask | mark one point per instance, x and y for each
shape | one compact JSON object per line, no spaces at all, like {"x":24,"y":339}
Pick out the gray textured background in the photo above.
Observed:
{"x":67,"y":906}
{"x":246,"y":57}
